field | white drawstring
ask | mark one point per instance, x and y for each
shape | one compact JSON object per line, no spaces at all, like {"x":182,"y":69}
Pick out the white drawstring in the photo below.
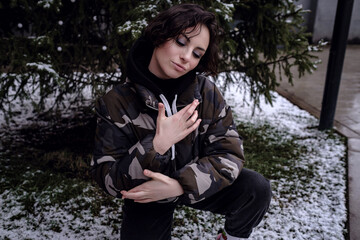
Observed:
{"x":170,"y":113}
{"x":174,"y":109}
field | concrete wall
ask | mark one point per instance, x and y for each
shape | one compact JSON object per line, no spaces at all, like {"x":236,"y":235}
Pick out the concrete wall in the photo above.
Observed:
{"x":322,"y":17}
{"x":354,"y":32}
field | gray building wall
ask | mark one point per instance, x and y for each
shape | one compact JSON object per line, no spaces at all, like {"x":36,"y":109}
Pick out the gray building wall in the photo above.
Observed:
{"x":320,"y":21}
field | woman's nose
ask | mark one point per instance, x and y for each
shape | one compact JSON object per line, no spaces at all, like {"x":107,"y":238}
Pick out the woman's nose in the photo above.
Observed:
{"x":185,"y":55}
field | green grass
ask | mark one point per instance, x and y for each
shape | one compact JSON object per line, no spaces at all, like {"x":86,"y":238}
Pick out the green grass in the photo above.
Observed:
{"x":271,"y":152}
{"x":35,"y":190}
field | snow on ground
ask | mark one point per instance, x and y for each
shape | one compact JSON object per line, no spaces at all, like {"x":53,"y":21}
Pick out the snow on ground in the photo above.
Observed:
{"x":319,"y":209}
{"x":300,"y":209}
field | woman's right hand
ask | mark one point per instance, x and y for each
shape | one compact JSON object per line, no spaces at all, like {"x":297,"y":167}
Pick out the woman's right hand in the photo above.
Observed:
{"x":170,"y":130}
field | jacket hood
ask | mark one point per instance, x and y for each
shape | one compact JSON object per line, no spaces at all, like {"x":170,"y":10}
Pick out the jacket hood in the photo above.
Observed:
{"x":137,"y":71}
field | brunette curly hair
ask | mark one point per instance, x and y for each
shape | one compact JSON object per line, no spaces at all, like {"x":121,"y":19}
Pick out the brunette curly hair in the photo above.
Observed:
{"x":172,"y":22}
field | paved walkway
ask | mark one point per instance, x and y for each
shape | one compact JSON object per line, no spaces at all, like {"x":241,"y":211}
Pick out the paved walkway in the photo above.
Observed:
{"x":307,"y":93}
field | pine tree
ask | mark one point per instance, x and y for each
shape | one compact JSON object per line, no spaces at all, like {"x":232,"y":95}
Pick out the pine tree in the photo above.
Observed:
{"x":60,"y":47}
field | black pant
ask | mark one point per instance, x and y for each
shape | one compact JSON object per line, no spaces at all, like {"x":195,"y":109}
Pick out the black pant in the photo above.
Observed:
{"x":244,"y":204}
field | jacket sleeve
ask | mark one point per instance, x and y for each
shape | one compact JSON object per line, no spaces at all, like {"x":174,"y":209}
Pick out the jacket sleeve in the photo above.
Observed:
{"x":221,"y":155}
{"x":119,"y":157}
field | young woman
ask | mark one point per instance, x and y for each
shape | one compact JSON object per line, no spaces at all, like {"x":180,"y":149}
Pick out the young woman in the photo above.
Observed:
{"x":166,"y":136}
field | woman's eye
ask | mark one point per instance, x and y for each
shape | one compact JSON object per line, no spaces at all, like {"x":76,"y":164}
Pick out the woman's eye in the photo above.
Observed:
{"x":180,"y":42}
{"x":197,"y":55}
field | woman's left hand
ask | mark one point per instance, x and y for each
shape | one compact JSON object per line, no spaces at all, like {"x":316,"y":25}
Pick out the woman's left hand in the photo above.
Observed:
{"x":158,"y":188}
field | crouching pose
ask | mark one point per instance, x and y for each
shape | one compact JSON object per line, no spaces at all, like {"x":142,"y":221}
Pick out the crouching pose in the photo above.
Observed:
{"x":166,"y":136}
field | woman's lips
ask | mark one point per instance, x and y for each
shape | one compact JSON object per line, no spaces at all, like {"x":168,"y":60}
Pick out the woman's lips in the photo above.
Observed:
{"x":179,"y":67}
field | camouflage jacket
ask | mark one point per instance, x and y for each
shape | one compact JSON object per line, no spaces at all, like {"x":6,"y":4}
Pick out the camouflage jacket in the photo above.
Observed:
{"x":206,"y":161}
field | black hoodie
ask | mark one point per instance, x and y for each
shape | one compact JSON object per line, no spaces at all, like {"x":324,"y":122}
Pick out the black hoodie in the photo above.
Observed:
{"x":207,"y":160}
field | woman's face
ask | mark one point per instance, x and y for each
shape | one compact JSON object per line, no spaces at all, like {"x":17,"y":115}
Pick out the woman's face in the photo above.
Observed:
{"x":177,"y":57}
